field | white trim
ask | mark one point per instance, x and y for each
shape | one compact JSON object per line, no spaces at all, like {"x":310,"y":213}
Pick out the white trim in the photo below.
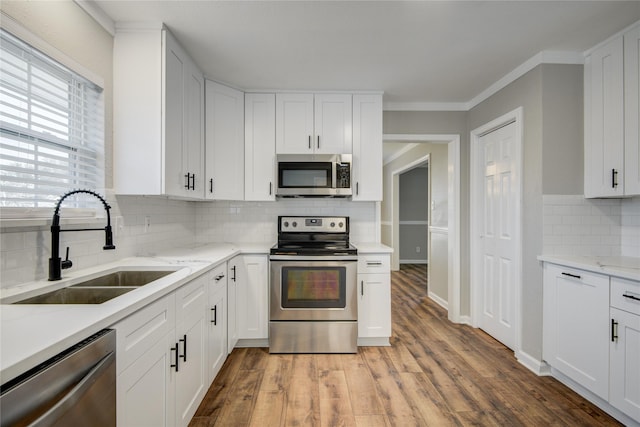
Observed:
{"x":465,"y":320}
{"x":399,"y":153}
{"x":423,"y":137}
{"x":543,"y":57}
{"x":14,"y":27}
{"x":514,"y":116}
{"x":616,"y":35}
{"x":414,"y":261}
{"x":413,"y":223}
{"x":374,"y":342}
{"x":425,"y":106}
{"x":438,"y":230}
{"x":438,"y":300}
{"x":533,"y":364}
{"x":98,"y":15}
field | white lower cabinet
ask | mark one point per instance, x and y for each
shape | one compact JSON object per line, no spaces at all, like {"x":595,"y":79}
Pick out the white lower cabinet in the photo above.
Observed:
{"x":591,"y":333}
{"x":162,"y":366}
{"x":252,"y":298}
{"x":217,"y":321}
{"x":576,"y":326}
{"x":625,"y":347}
{"x":374,"y":296}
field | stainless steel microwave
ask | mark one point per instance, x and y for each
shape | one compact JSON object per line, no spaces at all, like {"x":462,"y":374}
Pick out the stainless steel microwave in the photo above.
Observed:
{"x":317,"y":175}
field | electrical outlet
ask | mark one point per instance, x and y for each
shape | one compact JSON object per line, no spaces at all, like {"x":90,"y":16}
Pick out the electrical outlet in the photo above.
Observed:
{"x":147,"y":223}
{"x":418,"y":249}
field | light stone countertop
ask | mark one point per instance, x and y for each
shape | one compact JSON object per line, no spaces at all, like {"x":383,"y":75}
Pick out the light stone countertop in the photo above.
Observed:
{"x":623,"y":267}
{"x":374,"y":248}
{"x":31,"y":334}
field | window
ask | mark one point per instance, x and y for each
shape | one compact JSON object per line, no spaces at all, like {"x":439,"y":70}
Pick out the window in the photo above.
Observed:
{"x":51,"y":130}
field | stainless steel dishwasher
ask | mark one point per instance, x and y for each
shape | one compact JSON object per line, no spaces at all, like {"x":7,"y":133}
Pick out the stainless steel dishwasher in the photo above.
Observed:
{"x":76,"y":387}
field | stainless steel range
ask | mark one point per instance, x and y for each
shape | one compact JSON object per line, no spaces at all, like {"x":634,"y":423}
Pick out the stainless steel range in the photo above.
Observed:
{"x":313,"y":306}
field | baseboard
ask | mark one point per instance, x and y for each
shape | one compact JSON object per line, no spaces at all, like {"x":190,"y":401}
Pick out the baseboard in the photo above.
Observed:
{"x":253,"y":342}
{"x":438,"y":300}
{"x":536,"y":366}
{"x":374,"y":342}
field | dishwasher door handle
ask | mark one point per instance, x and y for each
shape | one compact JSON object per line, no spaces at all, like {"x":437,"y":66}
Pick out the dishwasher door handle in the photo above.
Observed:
{"x":72,"y":397}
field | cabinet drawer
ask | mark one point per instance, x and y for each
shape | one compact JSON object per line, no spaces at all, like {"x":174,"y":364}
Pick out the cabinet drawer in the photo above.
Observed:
{"x":142,"y":330}
{"x":218,"y":277}
{"x":625,"y":295}
{"x":191,"y":299}
{"x":374,"y":263}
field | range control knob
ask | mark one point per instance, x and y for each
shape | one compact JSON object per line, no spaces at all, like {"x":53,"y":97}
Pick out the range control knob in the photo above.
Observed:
{"x":286,"y":224}
{"x":294,"y":224}
{"x":340,"y":224}
{"x":333,"y":224}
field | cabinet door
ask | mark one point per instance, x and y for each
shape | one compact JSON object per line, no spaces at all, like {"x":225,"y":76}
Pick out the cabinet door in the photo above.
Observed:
{"x":294,"y":123}
{"x":191,"y":379}
{"x":232,"y":291}
{"x":332,"y":124}
{"x":148,"y":383}
{"x":632,"y":112}
{"x":194,"y":130}
{"x":625,"y":363}
{"x":367,"y":148}
{"x":174,"y":103}
{"x":576,"y":326}
{"x":604,"y":135}
{"x":225,"y":142}
{"x":252,"y":297}
{"x":374,"y":305}
{"x":260,"y":146}
{"x":217,"y":320}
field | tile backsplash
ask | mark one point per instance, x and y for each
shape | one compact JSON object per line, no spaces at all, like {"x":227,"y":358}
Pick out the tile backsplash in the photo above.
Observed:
{"x":574,"y":225}
{"x":25,"y":251}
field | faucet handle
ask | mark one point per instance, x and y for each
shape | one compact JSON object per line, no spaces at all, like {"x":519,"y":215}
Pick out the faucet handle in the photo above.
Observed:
{"x":67,"y":262}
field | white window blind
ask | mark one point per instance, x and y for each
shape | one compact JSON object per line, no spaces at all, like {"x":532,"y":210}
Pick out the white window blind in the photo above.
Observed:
{"x":51,"y":129}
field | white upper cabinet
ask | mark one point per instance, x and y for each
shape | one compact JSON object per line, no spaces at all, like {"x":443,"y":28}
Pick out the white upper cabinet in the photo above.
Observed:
{"x":260,"y":146}
{"x":158,"y":116}
{"x":611,"y":118}
{"x":367,"y":148}
{"x":632,"y":112}
{"x":224,"y":145}
{"x":308,"y":124}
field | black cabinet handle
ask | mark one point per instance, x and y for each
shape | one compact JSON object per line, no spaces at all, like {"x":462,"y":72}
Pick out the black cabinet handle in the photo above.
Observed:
{"x":633,"y":297}
{"x":318,"y":141}
{"x":184,"y":347}
{"x":219,"y":277}
{"x":211,"y":185}
{"x":309,"y":142}
{"x":614,"y":331}
{"x":357,"y":188}
{"x":270,"y":188}
{"x":188,"y":184}
{"x":575,"y":276}
{"x":193,"y":178}
{"x":176,"y":350}
{"x":215,"y":315}
{"x":362,"y":287}
{"x":614,"y":178}
{"x":234,"y":273}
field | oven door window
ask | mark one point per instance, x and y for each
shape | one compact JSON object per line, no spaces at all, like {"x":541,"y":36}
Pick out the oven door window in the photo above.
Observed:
{"x":313,"y":287}
{"x":305,"y":175}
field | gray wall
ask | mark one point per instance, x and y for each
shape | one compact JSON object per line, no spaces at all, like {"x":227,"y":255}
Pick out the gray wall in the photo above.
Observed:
{"x":551,"y":97}
{"x":414,"y":206}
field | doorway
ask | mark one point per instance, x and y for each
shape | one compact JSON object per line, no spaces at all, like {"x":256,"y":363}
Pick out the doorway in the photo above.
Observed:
{"x":451,"y":241}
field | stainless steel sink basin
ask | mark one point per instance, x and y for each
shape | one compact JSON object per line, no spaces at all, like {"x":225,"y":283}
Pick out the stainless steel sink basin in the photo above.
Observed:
{"x":98,"y":289}
{"x":72,"y":295}
{"x":124,"y":278}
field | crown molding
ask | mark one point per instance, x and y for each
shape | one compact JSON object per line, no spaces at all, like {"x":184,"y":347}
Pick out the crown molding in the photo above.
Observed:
{"x":94,"y":11}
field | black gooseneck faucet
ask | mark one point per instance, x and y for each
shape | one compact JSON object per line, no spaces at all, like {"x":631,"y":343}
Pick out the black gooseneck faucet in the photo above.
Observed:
{"x":56,"y":264}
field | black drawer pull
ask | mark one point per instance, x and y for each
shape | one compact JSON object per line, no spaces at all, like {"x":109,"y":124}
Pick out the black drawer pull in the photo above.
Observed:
{"x":633,"y":297}
{"x":177,"y":356}
{"x":614,"y":331}
{"x":219,"y":277}
{"x":575,"y":276}
{"x":183,"y":340}
{"x":215,"y":315}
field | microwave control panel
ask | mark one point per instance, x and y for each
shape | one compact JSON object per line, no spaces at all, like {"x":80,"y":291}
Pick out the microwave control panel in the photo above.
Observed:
{"x":343,"y":175}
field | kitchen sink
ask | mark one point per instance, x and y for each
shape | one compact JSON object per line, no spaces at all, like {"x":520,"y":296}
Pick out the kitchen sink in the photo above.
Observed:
{"x":99,"y":289}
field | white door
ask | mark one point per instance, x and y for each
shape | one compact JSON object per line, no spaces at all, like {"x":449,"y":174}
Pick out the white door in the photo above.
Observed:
{"x":498,"y":248}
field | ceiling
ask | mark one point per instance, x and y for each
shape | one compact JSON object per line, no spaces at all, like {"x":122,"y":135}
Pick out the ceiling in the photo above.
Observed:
{"x":414,"y":51}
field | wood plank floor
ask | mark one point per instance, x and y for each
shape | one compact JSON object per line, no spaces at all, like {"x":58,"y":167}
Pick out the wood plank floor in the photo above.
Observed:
{"x":434,"y":374}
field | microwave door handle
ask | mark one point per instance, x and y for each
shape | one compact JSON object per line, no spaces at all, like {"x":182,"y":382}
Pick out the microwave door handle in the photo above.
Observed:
{"x":309,"y":142}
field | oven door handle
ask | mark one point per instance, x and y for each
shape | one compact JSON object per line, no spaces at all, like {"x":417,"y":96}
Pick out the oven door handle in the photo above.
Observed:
{"x":313,"y":258}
